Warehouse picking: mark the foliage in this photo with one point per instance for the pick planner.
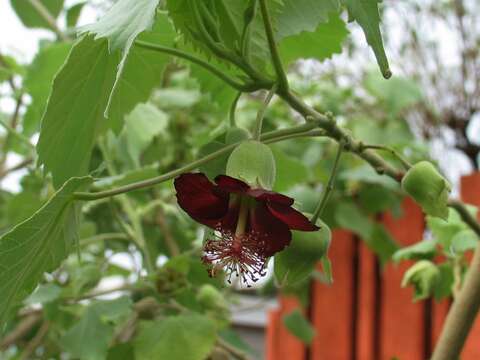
(154, 89)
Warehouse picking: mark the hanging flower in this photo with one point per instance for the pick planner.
(251, 224)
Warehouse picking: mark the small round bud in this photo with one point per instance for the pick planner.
(428, 188)
(209, 297)
(254, 163)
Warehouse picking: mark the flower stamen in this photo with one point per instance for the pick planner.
(242, 256)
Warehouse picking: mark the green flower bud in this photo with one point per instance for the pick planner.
(254, 163)
(298, 260)
(423, 276)
(428, 188)
(236, 134)
(209, 297)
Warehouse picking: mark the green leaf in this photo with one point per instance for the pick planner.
(377, 199)
(142, 125)
(381, 243)
(463, 241)
(290, 171)
(444, 284)
(216, 166)
(225, 24)
(73, 14)
(30, 17)
(125, 20)
(350, 217)
(297, 16)
(89, 339)
(365, 173)
(37, 245)
(45, 293)
(296, 323)
(319, 44)
(424, 249)
(366, 14)
(186, 337)
(74, 114)
(38, 82)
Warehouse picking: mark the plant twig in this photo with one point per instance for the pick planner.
(16, 167)
(261, 113)
(400, 158)
(21, 330)
(35, 342)
(167, 234)
(330, 185)
(236, 353)
(45, 14)
(462, 314)
(277, 62)
(271, 136)
(233, 109)
(184, 55)
(12, 132)
(103, 237)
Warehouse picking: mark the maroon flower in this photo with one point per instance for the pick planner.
(252, 224)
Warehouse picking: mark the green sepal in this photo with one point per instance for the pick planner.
(254, 163)
(423, 276)
(294, 264)
(428, 188)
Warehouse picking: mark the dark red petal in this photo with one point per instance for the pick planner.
(229, 221)
(231, 185)
(271, 196)
(269, 229)
(196, 196)
(294, 219)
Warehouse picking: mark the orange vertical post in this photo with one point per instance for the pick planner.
(470, 193)
(367, 304)
(402, 322)
(280, 343)
(332, 306)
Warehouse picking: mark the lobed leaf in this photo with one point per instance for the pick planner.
(37, 245)
(366, 14)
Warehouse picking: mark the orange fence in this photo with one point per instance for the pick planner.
(366, 314)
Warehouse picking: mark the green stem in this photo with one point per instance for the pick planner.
(261, 113)
(12, 132)
(330, 185)
(400, 158)
(219, 50)
(271, 137)
(103, 237)
(306, 134)
(335, 132)
(135, 220)
(184, 55)
(277, 62)
(233, 109)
